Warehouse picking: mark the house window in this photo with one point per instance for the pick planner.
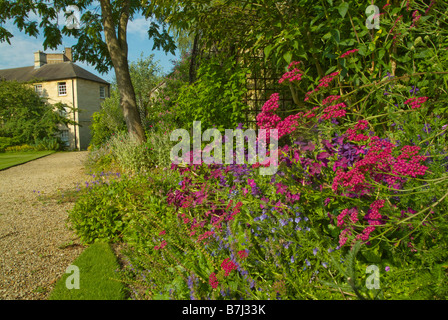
(62, 89)
(65, 137)
(102, 92)
(38, 89)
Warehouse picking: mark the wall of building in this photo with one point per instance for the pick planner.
(89, 101)
(50, 91)
(81, 94)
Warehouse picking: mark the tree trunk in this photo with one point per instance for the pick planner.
(118, 49)
(193, 61)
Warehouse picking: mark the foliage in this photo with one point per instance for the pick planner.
(48, 144)
(145, 74)
(129, 153)
(100, 158)
(100, 215)
(215, 98)
(361, 177)
(21, 148)
(158, 142)
(26, 117)
(165, 93)
(108, 121)
(108, 204)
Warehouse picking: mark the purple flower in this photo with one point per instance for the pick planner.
(414, 90)
(387, 269)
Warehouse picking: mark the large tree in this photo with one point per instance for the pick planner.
(101, 37)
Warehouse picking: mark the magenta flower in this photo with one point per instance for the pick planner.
(251, 183)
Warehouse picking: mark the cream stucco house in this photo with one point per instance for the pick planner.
(55, 77)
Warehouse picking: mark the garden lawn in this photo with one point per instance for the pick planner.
(11, 159)
(97, 278)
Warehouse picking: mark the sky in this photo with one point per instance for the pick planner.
(20, 53)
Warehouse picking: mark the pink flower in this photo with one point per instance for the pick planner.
(213, 281)
(416, 102)
(205, 235)
(330, 99)
(228, 265)
(348, 53)
(243, 254)
(293, 75)
(251, 183)
(335, 111)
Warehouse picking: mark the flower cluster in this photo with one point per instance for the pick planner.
(228, 265)
(335, 111)
(268, 120)
(415, 17)
(330, 99)
(352, 213)
(416, 102)
(323, 82)
(292, 75)
(348, 53)
(213, 281)
(352, 133)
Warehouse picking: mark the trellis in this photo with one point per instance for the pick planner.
(261, 83)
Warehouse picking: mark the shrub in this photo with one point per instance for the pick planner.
(111, 202)
(21, 148)
(216, 98)
(101, 214)
(48, 144)
(100, 158)
(131, 155)
(108, 121)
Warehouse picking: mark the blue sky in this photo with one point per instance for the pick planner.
(21, 51)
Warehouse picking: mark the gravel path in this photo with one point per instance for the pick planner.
(35, 245)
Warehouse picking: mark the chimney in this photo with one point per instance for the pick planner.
(40, 59)
(68, 54)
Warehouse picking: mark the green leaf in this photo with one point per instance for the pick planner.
(343, 8)
(288, 57)
(267, 50)
(336, 35)
(372, 255)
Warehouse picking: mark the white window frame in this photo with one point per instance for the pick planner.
(102, 92)
(37, 90)
(62, 88)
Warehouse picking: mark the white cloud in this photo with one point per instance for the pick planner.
(139, 27)
(20, 53)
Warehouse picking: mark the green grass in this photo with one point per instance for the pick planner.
(11, 159)
(97, 277)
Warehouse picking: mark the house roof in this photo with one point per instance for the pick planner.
(49, 72)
